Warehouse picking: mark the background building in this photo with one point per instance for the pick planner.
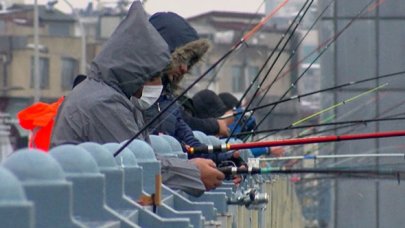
(59, 57)
(373, 45)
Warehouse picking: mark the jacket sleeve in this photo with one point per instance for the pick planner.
(112, 122)
(180, 174)
(183, 132)
(208, 125)
(257, 152)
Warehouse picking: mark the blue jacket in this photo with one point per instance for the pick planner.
(178, 34)
(171, 122)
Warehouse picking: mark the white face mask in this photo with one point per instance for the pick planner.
(150, 94)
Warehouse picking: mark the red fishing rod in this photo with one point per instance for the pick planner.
(296, 141)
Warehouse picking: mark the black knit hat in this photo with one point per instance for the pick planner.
(230, 101)
(208, 105)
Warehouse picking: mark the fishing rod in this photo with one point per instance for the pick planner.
(246, 37)
(223, 63)
(298, 97)
(294, 52)
(338, 104)
(321, 146)
(294, 25)
(323, 178)
(328, 44)
(345, 126)
(305, 133)
(323, 160)
(390, 166)
(349, 123)
(395, 106)
(328, 119)
(320, 191)
(318, 132)
(312, 128)
(295, 82)
(298, 122)
(315, 157)
(294, 141)
(335, 163)
(230, 171)
(309, 154)
(369, 9)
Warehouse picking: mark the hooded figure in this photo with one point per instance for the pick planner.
(99, 108)
(186, 46)
(186, 49)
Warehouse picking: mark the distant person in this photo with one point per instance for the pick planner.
(208, 104)
(210, 126)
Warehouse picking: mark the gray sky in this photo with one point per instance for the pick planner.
(185, 8)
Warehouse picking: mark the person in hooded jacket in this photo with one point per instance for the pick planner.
(208, 104)
(107, 105)
(186, 49)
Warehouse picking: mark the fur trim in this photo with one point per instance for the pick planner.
(191, 53)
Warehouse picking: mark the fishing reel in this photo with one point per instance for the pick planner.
(250, 198)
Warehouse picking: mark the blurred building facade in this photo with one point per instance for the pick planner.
(59, 56)
(372, 45)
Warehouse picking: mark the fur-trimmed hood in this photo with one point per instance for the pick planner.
(185, 45)
(191, 53)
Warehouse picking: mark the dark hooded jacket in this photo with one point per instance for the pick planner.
(99, 109)
(187, 48)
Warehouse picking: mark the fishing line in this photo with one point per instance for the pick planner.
(295, 23)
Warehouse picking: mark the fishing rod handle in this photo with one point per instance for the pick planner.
(232, 170)
(209, 149)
